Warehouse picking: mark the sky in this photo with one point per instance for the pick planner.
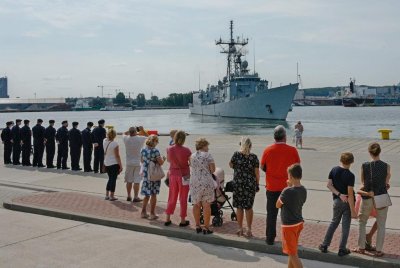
(67, 48)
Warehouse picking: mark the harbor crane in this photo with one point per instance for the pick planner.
(102, 89)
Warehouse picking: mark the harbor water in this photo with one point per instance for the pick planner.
(318, 121)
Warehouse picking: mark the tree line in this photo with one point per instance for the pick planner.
(173, 100)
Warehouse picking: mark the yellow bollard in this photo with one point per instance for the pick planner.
(385, 133)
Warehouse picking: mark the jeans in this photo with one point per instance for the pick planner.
(112, 172)
(272, 214)
(365, 210)
(341, 212)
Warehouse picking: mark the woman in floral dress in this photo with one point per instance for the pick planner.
(245, 180)
(201, 184)
(150, 189)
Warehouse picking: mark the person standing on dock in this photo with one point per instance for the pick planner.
(299, 129)
(6, 138)
(50, 141)
(75, 145)
(26, 143)
(16, 140)
(275, 161)
(87, 147)
(38, 132)
(98, 135)
(62, 141)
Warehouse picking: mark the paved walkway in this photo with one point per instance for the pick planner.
(96, 207)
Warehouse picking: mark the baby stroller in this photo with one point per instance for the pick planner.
(219, 203)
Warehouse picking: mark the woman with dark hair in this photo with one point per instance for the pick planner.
(375, 177)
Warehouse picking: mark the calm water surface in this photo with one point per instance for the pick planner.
(333, 121)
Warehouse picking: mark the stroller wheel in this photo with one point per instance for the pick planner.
(215, 222)
(221, 213)
(221, 220)
(233, 216)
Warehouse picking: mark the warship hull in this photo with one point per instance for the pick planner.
(271, 104)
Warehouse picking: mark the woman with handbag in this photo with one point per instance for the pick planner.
(202, 184)
(246, 181)
(179, 176)
(150, 187)
(112, 163)
(375, 176)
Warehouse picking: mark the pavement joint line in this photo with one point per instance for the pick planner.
(216, 239)
(43, 235)
(27, 188)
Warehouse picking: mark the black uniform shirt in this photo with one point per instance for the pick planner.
(87, 138)
(26, 135)
(15, 134)
(75, 137)
(38, 134)
(6, 135)
(62, 135)
(98, 135)
(50, 135)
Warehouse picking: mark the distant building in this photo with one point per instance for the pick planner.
(33, 105)
(3, 87)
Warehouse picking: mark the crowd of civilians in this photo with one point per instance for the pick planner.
(192, 173)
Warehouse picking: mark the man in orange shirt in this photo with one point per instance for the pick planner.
(274, 162)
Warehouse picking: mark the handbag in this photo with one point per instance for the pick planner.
(382, 200)
(103, 167)
(156, 173)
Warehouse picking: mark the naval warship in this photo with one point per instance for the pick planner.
(242, 94)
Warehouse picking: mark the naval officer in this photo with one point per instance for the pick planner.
(6, 138)
(16, 140)
(38, 132)
(50, 140)
(26, 143)
(98, 135)
(75, 145)
(62, 141)
(87, 147)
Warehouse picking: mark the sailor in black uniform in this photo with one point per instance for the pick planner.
(87, 147)
(26, 143)
(38, 143)
(16, 140)
(50, 141)
(62, 141)
(98, 135)
(7, 141)
(75, 145)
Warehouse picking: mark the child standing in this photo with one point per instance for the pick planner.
(291, 202)
(341, 183)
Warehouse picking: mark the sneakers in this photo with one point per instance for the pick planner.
(323, 249)
(343, 252)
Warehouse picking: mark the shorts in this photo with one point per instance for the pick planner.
(132, 174)
(290, 238)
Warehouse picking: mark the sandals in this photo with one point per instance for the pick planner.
(198, 229)
(144, 215)
(379, 254)
(369, 246)
(249, 234)
(240, 232)
(137, 200)
(207, 231)
(153, 217)
(184, 224)
(359, 250)
(167, 223)
(113, 199)
(107, 198)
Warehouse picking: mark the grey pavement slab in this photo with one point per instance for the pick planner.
(76, 244)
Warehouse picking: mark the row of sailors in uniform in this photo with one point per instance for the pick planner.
(18, 140)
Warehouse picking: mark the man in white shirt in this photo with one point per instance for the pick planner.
(133, 145)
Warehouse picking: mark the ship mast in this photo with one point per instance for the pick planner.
(233, 53)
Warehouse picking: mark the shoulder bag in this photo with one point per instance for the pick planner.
(103, 167)
(155, 171)
(382, 200)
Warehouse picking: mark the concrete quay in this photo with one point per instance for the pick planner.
(318, 157)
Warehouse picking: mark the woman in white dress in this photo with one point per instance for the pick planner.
(201, 184)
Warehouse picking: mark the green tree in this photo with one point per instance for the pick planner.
(98, 102)
(120, 99)
(141, 100)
